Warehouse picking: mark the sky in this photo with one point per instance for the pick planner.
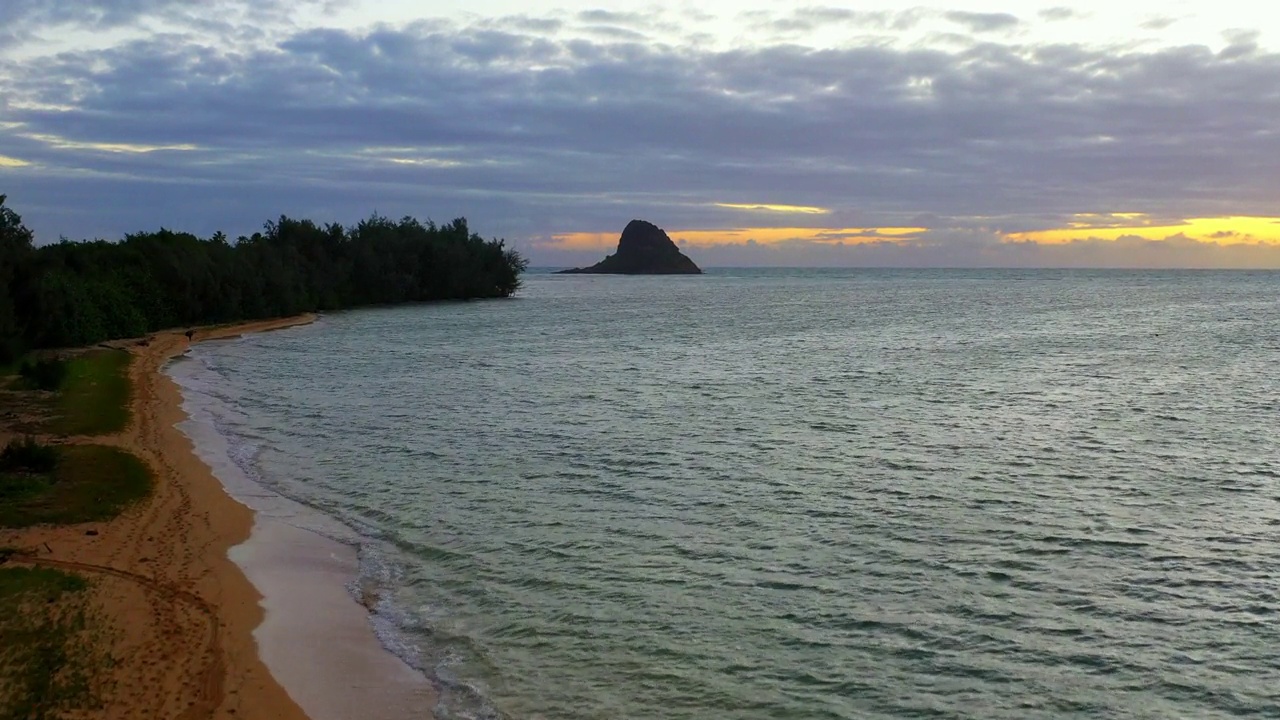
(990, 134)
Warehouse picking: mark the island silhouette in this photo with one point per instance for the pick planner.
(643, 249)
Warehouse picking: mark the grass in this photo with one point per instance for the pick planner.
(94, 399)
(52, 645)
(89, 483)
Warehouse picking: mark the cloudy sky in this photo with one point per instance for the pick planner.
(871, 133)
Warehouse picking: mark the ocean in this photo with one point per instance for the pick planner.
(796, 493)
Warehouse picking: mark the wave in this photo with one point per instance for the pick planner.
(218, 429)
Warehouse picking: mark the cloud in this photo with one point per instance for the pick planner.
(811, 18)
(109, 14)
(91, 13)
(611, 17)
(1115, 226)
(1138, 252)
(983, 22)
(1055, 14)
(1240, 43)
(775, 208)
(979, 250)
(780, 236)
(532, 130)
(1158, 23)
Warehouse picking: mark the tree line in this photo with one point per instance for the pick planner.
(79, 293)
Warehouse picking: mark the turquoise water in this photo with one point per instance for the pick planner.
(799, 494)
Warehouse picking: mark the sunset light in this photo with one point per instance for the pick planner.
(784, 209)
(1222, 230)
(924, 134)
(743, 236)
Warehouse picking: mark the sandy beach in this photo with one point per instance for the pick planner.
(190, 631)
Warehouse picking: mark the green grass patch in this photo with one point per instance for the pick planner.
(15, 487)
(38, 583)
(89, 483)
(53, 645)
(94, 398)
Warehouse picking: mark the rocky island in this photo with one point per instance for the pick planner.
(643, 249)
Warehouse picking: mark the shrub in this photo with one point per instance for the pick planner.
(27, 455)
(44, 374)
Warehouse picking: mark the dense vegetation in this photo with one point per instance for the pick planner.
(79, 293)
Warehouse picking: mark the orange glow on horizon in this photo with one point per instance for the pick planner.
(1232, 230)
(742, 236)
(1112, 227)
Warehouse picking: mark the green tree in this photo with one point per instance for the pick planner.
(15, 258)
(76, 293)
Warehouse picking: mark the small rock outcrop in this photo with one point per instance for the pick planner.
(643, 249)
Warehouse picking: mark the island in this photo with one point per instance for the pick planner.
(643, 249)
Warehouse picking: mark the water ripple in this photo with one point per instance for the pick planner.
(805, 494)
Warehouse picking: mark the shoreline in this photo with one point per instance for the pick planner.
(187, 630)
(316, 639)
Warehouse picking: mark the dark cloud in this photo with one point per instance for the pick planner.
(531, 134)
(983, 22)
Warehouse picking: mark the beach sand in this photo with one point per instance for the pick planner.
(188, 628)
